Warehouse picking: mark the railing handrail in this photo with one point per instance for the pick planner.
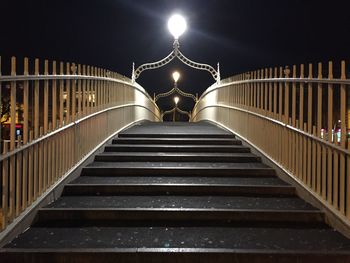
(67, 126)
(336, 81)
(340, 149)
(9, 78)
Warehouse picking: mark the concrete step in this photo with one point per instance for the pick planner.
(177, 169)
(64, 217)
(176, 157)
(171, 255)
(179, 243)
(180, 180)
(178, 141)
(176, 148)
(177, 135)
(177, 189)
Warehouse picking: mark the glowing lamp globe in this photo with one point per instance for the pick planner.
(177, 25)
(176, 100)
(176, 76)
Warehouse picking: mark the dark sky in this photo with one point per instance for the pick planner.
(240, 34)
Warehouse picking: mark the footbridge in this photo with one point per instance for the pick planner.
(261, 173)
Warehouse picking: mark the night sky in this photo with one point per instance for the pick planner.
(242, 35)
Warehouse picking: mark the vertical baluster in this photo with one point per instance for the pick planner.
(258, 92)
(74, 91)
(94, 91)
(287, 161)
(261, 92)
(13, 102)
(84, 81)
(302, 152)
(319, 127)
(54, 96)
(18, 178)
(46, 124)
(41, 164)
(280, 95)
(36, 100)
(314, 159)
(46, 97)
(88, 91)
(79, 92)
(293, 142)
(25, 133)
(266, 92)
(5, 187)
(68, 95)
(342, 193)
(275, 92)
(256, 104)
(61, 83)
(50, 159)
(309, 126)
(270, 76)
(329, 137)
(30, 170)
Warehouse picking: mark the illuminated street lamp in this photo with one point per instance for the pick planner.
(176, 76)
(177, 25)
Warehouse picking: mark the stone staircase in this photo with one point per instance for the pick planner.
(178, 192)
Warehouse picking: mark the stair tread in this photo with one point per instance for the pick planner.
(182, 202)
(179, 165)
(147, 154)
(140, 180)
(179, 139)
(247, 238)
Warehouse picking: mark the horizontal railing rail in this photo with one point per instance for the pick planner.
(52, 119)
(299, 121)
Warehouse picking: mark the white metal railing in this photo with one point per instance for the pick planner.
(300, 123)
(61, 112)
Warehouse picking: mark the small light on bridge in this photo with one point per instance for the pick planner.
(177, 25)
(176, 100)
(176, 76)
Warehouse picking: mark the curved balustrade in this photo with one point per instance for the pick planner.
(61, 115)
(299, 121)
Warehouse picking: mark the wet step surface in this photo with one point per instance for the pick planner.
(168, 130)
(178, 192)
(209, 202)
(251, 238)
(184, 141)
(204, 180)
(176, 148)
(179, 157)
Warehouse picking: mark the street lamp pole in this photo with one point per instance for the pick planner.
(176, 100)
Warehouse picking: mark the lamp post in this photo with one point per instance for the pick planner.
(176, 100)
(176, 76)
(177, 26)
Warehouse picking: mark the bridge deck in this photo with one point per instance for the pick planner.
(153, 200)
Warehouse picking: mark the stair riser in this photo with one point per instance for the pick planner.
(210, 215)
(100, 171)
(171, 255)
(121, 148)
(188, 190)
(177, 142)
(157, 158)
(176, 135)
